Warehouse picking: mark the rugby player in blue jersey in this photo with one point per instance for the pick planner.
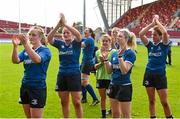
(87, 65)
(155, 73)
(69, 76)
(35, 59)
(120, 65)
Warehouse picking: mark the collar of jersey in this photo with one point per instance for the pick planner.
(37, 48)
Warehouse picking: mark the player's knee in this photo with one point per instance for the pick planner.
(77, 103)
(152, 101)
(64, 103)
(164, 103)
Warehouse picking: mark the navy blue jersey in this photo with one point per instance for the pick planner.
(68, 56)
(35, 73)
(156, 58)
(117, 77)
(88, 50)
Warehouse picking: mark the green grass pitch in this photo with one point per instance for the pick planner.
(10, 82)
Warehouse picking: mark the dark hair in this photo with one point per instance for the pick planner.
(92, 33)
(156, 28)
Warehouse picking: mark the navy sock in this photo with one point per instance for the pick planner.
(91, 91)
(84, 91)
(103, 113)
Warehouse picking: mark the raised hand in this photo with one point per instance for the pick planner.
(15, 40)
(23, 38)
(62, 19)
(104, 52)
(155, 19)
(156, 16)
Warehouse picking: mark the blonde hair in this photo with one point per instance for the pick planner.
(131, 38)
(115, 29)
(41, 34)
(132, 41)
(105, 36)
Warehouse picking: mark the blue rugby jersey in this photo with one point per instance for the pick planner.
(68, 56)
(88, 50)
(157, 57)
(35, 74)
(117, 77)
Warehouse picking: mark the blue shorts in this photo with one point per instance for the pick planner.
(87, 68)
(159, 81)
(68, 83)
(36, 98)
(120, 92)
(102, 83)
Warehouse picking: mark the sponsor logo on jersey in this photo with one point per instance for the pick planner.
(156, 54)
(66, 52)
(28, 61)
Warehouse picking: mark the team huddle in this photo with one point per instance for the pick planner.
(112, 63)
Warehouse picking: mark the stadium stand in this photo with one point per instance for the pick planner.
(8, 28)
(137, 18)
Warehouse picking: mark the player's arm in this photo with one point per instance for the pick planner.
(53, 32)
(31, 53)
(143, 32)
(124, 66)
(75, 32)
(15, 58)
(108, 66)
(165, 36)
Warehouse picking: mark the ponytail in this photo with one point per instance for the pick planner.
(132, 41)
(131, 38)
(92, 33)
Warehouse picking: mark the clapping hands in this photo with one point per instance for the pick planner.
(155, 19)
(104, 52)
(62, 20)
(18, 39)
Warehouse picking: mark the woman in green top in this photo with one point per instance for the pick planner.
(103, 78)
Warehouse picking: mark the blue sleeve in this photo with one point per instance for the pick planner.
(130, 57)
(113, 56)
(57, 43)
(166, 47)
(21, 55)
(83, 40)
(87, 42)
(149, 44)
(45, 55)
(76, 44)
